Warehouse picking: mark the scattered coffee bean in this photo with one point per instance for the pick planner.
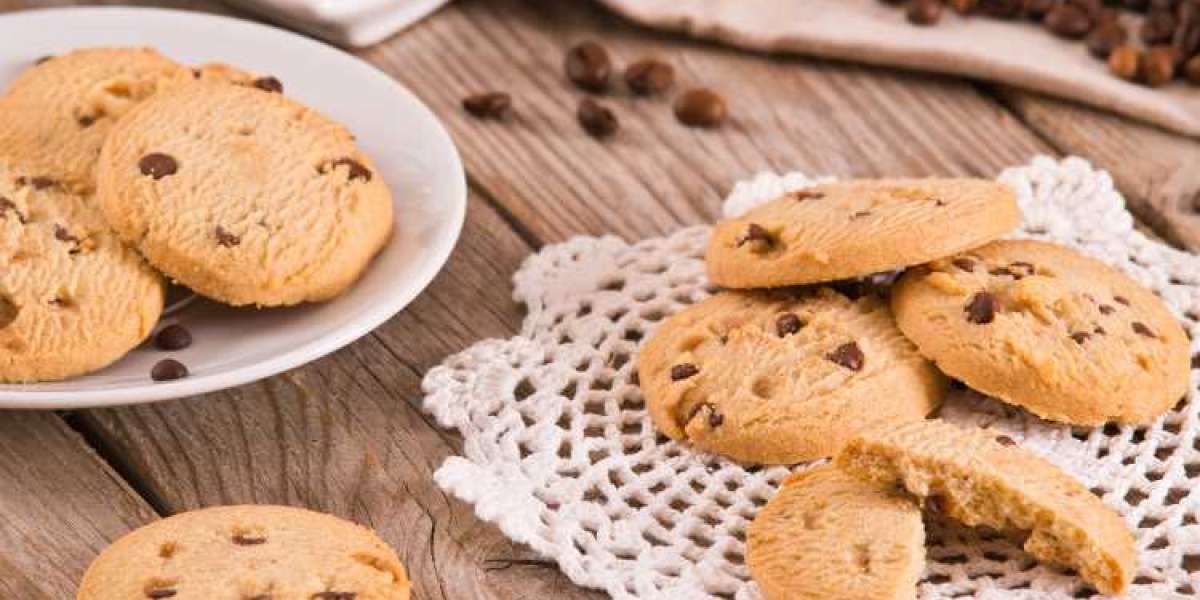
(1106, 38)
(1036, 10)
(1124, 60)
(173, 337)
(1191, 69)
(1158, 27)
(269, 84)
(701, 107)
(964, 264)
(848, 355)
(649, 76)
(1068, 21)
(589, 67)
(981, 310)
(1157, 66)
(684, 371)
(596, 119)
(225, 238)
(1004, 440)
(924, 12)
(158, 165)
(788, 324)
(1142, 330)
(168, 369)
(488, 105)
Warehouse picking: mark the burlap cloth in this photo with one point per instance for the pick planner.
(1021, 54)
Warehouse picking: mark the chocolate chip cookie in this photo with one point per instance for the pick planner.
(1044, 327)
(73, 298)
(247, 553)
(979, 478)
(782, 377)
(244, 195)
(852, 229)
(57, 114)
(828, 535)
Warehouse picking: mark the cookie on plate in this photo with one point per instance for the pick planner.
(852, 229)
(57, 113)
(73, 298)
(830, 536)
(1044, 327)
(248, 552)
(979, 478)
(244, 196)
(782, 377)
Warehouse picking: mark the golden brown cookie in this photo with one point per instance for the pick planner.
(243, 195)
(828, 536)
(73, 298)
(1044, 327)
(781, 377)
(57, 114)
(247, 553)
(979, 478)
(852, 229)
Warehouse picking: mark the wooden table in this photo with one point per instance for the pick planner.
(346, 433)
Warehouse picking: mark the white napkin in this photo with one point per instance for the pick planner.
(345, 22)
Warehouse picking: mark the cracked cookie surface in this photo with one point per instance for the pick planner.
(73, 298)
(1041, 326)
(979, 478)
(57, 114)
(828, 535)
(783, 376)
(851, 229)
(243, 195)
(248, 553)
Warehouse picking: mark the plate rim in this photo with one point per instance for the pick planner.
(363, 325)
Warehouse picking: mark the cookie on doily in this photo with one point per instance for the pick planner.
(1044, 327)
(979, 478)
(850, 229)
(828, 535)
(782, 377)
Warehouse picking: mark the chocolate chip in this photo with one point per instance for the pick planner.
(225, 238)
(269, 84)
(924, 12)
(1024, 266)
(715, 419)
(86, 121)
(588, 66)
(7, 206)
(807, 195)
(158, 165)
(860, 214)
(1196, 361)
(260, 597)
(168, 370)
(935, 504)
(701, 107)
(1080, 337)
(160, 593)
(1121, 300)
(788, 324)
(596, 119)
(248, 540)
(357, 170)
(848, 355)
(683, 371)
(981, 310)
(957, 384)
(1099, 330)
(754, 233)
(1003, 272)
(852, 289)
(62, 234)
(173, 337)
(39, 182)
(1068, 21)
(1004, 440)
(649, 76)
(1141, 329)
(1106, 309)
(41, 60)
(334, 596)
(964, 264)
(488, 105)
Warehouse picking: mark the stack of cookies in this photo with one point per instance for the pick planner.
(849, 306)
(119, 166)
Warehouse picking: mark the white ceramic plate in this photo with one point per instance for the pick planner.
(234, 346)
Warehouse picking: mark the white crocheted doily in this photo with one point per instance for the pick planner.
(560, 453)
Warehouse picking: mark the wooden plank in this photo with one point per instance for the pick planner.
(59, 506)
(787, 113)
(1157, 171)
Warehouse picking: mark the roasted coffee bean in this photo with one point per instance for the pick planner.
(596, 119)
(1138, 5)
(963, 7)
(168, 370)
(701, 107)
(848, 355)
(173, 337)
(1001, 9)
(649, 76)
(924, 12)
(1187, 32)
(1191, 69)
(158, 165)
(1068, 21)
(1157, 67)
(589, 67)
(1159, 27)
(1124, 60)
(788, 324)
(1106, 38)
(488, 105)
(981, 310)
(684, 371)
(269, 84)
